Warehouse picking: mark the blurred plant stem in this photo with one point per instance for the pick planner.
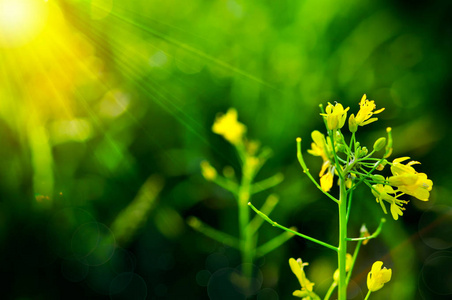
(251, 158)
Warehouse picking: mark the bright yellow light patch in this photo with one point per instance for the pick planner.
(21, 21)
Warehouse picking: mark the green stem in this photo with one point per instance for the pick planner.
(368, 294)
(267, 183)
(226, 184)
(246, 238)
(330, 290)
(213, 233)
(342, 250)
(349, 204)
(355, 255)
(266, 218)
(267, 208)
(274, 243)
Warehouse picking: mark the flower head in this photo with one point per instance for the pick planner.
(366, 111)
(228, 126)
(377, 277)
(305, 292)
(409, 181)
(335, 116)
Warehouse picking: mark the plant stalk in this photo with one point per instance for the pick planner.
(341, 254)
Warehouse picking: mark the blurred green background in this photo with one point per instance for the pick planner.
(106, 113)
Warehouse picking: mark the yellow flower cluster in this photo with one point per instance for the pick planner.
(407, 181)
(404, 179)
(229, 127)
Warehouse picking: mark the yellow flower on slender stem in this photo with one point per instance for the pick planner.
(306, 286)
(409, 181)
(366, 111)
(320, 148)
(377, 277)
(228, 126)
(335, 116)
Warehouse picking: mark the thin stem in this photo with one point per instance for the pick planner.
(274, 243)
(372, 236)
(362, 178)
(247, 243)
(352, 141)
(306, 171)
(267, 208)
(267, 183)
(273, 223)
(355, 255)
(368, 294)
(342, 249)
(226, 184)
(213, 233)
(349, 204)
(330, 290)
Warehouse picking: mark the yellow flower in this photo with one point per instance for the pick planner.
(348, 265)
(381, 192)
(321, 148)
(208, 171)
(363, 117)
(228, 126)
(306, 286)
(377, 277)
(326, 181)
(335, 116)
(409, 181)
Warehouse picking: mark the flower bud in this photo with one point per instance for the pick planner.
(352, 125)
(208, 171)
(379, 144)
(363, 151)
(389, 144)
(378, 178)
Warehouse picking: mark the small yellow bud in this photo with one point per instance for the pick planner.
(352, 125)
(379, 144)
(208, 171)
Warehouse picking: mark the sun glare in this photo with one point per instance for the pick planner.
(21, 21)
